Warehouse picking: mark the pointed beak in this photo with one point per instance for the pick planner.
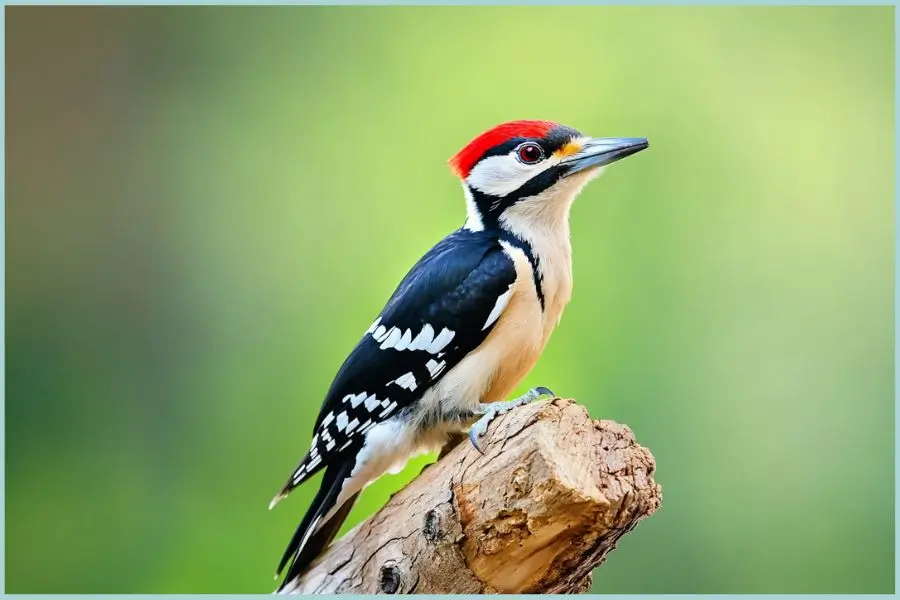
(598, 152)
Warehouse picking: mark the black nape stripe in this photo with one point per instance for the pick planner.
(490, 220)
(525, 247)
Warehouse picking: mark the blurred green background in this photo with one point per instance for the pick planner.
(207, 206)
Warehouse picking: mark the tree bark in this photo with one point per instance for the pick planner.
(537, 513)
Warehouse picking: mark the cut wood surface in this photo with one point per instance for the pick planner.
(537, 513)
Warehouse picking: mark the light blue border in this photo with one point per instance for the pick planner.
(446, 3)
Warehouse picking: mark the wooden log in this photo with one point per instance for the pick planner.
(537, 513)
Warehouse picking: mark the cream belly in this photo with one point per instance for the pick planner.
(491, 372)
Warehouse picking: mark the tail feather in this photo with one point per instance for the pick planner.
(300, 474)
(313, 534)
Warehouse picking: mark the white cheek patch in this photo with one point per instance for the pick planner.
(502, 175)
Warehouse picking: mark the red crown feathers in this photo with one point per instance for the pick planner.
(466, 158)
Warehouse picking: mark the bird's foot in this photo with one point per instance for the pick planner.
(493, 410)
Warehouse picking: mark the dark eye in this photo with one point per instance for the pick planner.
(530, 153)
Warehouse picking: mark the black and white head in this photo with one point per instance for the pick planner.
(529, 172)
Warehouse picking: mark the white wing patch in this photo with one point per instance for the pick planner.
(402, 339)
(374, 325)
(435, 367)
(406, 381)
(388, 409)
(502, 301)
(371, 403)
(441, 341)
(424, 339)
(355, 399)
(341, 421)
(341, 427)
(392, 339)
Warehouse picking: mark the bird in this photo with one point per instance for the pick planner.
(462, 328)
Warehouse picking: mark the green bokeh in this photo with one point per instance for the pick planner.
(207, 206)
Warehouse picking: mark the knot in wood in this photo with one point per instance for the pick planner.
(390, 579)
(431, 529)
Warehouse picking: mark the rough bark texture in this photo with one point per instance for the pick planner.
(545, 505)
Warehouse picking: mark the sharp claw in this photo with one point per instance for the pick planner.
(479, 429)
(473, 437)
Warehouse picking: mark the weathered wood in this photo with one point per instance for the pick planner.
(545, 505)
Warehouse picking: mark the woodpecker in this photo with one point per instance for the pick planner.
(462, 328)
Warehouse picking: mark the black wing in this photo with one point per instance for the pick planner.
(442, 310)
